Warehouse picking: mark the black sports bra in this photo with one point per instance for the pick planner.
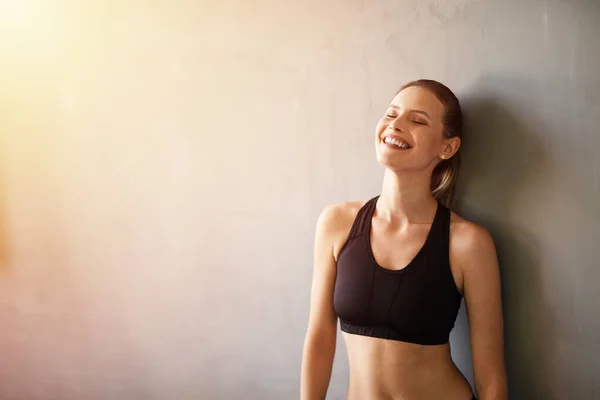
(418, 303)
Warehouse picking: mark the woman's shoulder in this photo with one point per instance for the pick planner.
(337, 216)
(336, 220)
(467, 236)
(463, 227)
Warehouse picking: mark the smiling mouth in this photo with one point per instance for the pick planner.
(401, 144)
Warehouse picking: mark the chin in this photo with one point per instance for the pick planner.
(390, 162)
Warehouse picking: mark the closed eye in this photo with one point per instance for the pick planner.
(419, 122)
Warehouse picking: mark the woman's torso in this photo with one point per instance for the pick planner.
(380, 367)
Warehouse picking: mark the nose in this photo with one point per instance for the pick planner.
(395, 125)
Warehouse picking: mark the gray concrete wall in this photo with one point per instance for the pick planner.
(162, 166)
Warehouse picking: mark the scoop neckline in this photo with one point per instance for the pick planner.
(412, 262)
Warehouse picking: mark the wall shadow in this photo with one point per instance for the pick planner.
(502, 155)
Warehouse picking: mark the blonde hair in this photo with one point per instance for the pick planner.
(445, 174)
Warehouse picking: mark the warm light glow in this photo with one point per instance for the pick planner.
(13, 11)
(34, 35)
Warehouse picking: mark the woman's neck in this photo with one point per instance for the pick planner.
(406, 197)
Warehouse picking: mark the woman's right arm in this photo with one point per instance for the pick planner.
(320, 340)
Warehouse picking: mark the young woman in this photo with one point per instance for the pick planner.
(394, 270)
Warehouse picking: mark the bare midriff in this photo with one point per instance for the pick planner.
(382, 369)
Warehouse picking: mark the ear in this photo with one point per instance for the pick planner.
(450, 147)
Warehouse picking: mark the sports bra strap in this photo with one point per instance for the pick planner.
(363, 219)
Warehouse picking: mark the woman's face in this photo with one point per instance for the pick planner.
(410, 133)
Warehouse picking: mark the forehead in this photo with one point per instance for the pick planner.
(417, 98)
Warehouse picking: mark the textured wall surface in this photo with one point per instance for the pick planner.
(162, 166)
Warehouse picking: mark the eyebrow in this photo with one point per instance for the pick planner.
(416, 111)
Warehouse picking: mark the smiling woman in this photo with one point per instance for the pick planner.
(394, 269)
(446, 108)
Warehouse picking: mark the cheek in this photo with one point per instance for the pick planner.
(380, 126)
(427, 142)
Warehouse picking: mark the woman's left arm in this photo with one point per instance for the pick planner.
(476, 255)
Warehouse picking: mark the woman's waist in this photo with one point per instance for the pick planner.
(399, 366)
(398, 370)
(409, 384)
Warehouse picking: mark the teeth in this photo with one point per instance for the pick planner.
(396, 142)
